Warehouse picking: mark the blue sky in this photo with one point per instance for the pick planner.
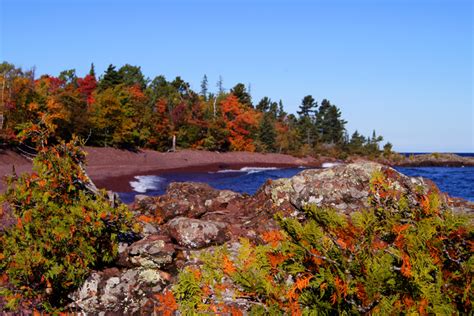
(403, 68)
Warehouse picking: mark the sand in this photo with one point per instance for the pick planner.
(112, 168)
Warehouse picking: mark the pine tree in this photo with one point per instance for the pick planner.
(308, 106)
(306, 120)
(329, 123)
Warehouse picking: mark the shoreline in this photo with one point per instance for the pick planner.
(112, 169)
(122, 183)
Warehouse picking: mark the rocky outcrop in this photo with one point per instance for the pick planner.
(193, 217)
(187, 199)
(429, 160)
(342, 187)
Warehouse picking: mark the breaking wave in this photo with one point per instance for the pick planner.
(330, 164)
(147, 183)
(248, 170)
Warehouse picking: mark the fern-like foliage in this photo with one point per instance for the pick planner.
(389, 259)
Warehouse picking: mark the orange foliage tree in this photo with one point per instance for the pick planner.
(241, 123)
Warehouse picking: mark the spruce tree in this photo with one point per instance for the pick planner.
(110, 78)
(204, 87)
(267, 133)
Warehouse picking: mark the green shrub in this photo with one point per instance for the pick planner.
(387, 260)
(62, 231)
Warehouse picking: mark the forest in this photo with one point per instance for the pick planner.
(124, 109)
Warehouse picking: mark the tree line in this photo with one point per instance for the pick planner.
(122, 108)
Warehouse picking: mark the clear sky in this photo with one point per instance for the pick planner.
(403, 67)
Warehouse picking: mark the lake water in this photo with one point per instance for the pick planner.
(458, 182)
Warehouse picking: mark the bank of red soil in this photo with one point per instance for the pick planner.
(112, 168)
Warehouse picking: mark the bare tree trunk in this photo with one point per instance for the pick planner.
(214, 107)
(174, 144)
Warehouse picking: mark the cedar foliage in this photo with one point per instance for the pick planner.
(62, 230)
(389, 259)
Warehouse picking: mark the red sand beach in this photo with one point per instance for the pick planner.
(112, 168)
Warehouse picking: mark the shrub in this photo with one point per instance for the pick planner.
(389, 259)
(63, 229)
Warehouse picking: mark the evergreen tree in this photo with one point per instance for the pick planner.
(110, 78)
(241, 93)
(387, 149)
(264, 104)
(308, 106)
(92, 70)
(281, 112)
(356, 143)
(372, 144)
(306, 121)
(132, 76)
(329, 123)
(220, 87)
(204, 87)
(267, 133)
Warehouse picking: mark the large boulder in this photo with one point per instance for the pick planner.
(152, 252)
(187, 199)
(195, 233)
(118, 292)
(342, 187)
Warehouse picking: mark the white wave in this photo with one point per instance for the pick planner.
(257, 169)
(146, 183)
(248, 170)
(330, 164)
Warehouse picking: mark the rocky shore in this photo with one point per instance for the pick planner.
(192, 217)
(429, 160)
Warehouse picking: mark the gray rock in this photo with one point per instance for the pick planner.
(195, 233)
(152, 252)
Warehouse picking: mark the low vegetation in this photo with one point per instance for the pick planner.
(63, 227)
(390, 259)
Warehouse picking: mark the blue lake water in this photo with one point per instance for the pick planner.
(458, 182)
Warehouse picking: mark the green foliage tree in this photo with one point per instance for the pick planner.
(132, 76)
